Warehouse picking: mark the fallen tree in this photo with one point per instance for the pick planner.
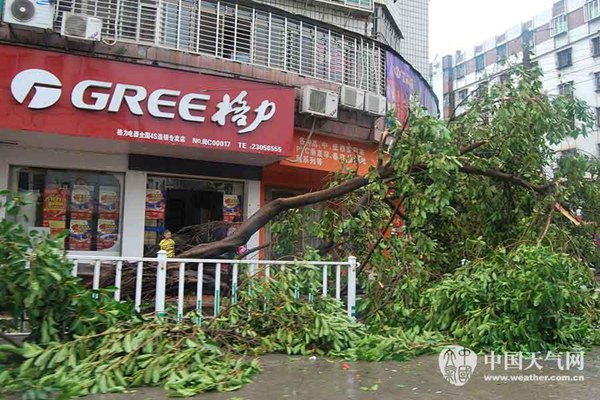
(486, 258)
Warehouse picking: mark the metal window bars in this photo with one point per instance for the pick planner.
(364, 5)
(244, 34)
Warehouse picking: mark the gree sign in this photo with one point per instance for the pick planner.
(73, 95)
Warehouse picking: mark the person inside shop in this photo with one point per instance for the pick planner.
(168, 244)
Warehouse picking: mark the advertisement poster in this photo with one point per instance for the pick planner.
(82, 202)
(329, 154)
(56, 226)
(108, 202)
(231, 207)
(155, 204)
(108, 233)
(80, 235)
(404, 84)
(55, 203)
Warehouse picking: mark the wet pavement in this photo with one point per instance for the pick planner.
(285, 377)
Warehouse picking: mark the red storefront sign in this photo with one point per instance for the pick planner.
(329, 154)
(51, 92)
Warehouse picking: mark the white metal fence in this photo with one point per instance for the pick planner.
(331, 273)
(225, 29)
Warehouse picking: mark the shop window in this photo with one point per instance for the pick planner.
(206, 205)
(564, 58)
(86, 204)
(307, 237)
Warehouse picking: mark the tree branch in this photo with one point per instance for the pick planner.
(517, 180)
(381, 236)
(274, 208)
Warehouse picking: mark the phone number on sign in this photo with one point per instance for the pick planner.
(266, 147)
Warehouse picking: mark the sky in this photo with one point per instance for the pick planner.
(460, 24)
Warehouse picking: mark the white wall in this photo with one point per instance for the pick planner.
(134, 214)
(252, 205)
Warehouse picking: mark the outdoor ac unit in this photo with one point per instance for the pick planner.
(319, 102)
(81, 26)
(352, 98)
(375, 104)
(34, 13)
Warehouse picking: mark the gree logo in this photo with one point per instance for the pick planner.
(48, 88)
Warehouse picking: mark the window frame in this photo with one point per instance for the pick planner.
(559, 54)
(501, 53)
(559, 25)
(479, 62)
(595, 46)
(462, 95)
(462, 68)
(102, 178)
(564, 85)
(591, 10)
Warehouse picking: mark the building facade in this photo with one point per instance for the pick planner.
(120, 119)
(564, 42)
(413, 18)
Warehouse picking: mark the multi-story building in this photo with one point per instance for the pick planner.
(120, 119)
(564, 42)
(413, 17)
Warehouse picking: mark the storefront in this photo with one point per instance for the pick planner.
(314, 158)
(115, 152)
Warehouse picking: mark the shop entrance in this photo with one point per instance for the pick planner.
(190, 207)
(177, 203)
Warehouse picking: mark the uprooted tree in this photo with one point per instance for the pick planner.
(486, 178)
(490, 257)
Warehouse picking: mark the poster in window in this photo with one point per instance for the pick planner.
(80, 235)
(108, 202)
(231, 207)
(56, 226)
(155, 204)
(108, 233)
(82, 202)
(55, 203)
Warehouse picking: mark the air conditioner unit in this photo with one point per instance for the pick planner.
(352, 98)
(375, 104)
(34, 13)
(319, 102)
(80, 26)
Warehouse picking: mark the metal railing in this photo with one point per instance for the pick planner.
(227, 30)
(364, 5)
(331, 273)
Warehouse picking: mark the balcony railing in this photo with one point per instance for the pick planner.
(245, 34)
(364, 5)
